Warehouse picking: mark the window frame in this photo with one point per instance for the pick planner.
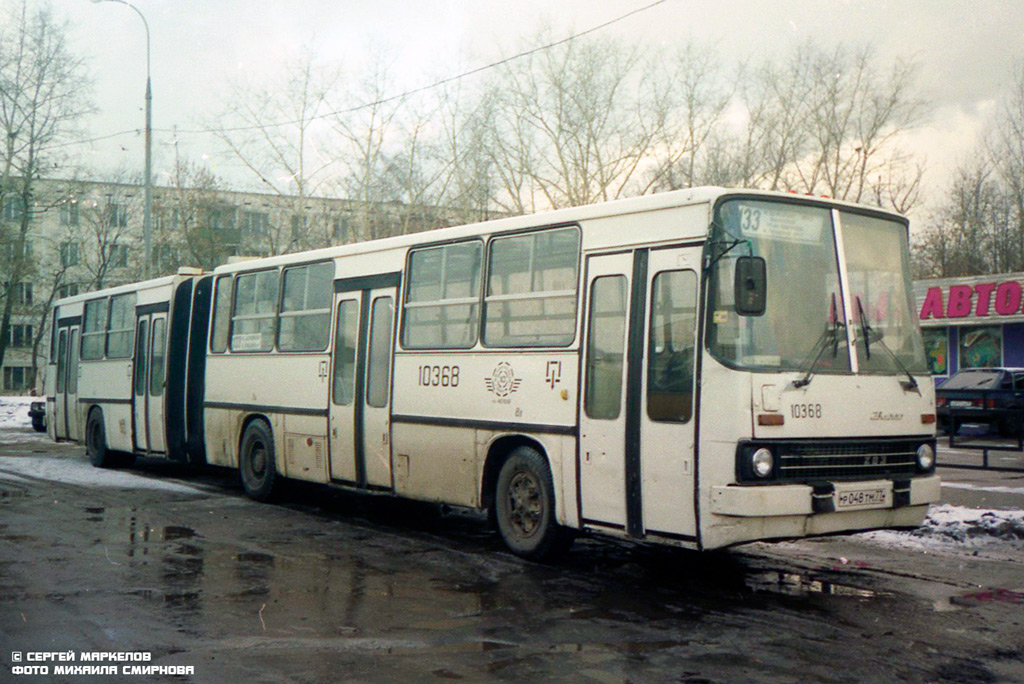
(133, 300)
(87, 333)
(550, 294)
(297, 313)
(652, 332)
(442, 302)
(230, 277)
(273, 316)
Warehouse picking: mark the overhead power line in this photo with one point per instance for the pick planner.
(392, 98)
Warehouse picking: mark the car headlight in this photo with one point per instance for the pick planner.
(762, 462)
(925, 457)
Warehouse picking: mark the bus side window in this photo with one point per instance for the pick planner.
(345, 352)
(671, 346)
(305, 318)
(378, 375)
(605, 347)
(222, 315)
(156, 359)
(120, 325)
(532, 289)
(94, 329)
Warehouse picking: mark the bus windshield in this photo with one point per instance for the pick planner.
(804, 323)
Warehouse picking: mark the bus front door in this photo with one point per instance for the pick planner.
(148, 383)
(360, 431)
(636, 418)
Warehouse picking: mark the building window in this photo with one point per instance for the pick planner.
(11, 254)
(339, 230)
(119, 256)
(981, 346)
(69, 213)
(16, 378)
(936, 349)
(253, 225)
(116, 215)
(14, 208)
(20, 293)
(21, 336)
(69, 254)
(69, 290)
(532, 289)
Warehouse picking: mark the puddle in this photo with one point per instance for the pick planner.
(799, 584)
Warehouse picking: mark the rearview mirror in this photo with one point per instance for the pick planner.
(751, 286)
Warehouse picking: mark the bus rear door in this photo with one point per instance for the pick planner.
(148, 383)
(360, 431)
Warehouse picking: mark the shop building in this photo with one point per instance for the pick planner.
(975, 322)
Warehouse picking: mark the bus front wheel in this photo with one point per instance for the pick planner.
(525, 507)
(256, 462)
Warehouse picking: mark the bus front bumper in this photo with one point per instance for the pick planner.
(747, 501)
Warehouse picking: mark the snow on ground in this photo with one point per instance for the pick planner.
(14, 413)
(956, 526)
(76, 472)
(983, 488)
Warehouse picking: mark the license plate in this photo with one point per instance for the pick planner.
(876, 497)
(960, 404)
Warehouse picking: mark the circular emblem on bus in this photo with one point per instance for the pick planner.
(503, 380)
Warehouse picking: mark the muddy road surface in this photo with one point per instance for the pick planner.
(333, 587)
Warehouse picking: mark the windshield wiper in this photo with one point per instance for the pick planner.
(829, 335)
(908, 385)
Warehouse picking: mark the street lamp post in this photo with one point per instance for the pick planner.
(147, 216)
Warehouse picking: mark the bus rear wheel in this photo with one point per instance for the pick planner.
(256, 462)
(96, 447)
(524, 505)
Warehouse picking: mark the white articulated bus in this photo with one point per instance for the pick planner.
(698, 368)
(121, 371)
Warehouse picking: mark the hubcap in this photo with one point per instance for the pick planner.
(259, 461)
(525, 503)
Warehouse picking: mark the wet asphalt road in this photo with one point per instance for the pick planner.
(333, 587)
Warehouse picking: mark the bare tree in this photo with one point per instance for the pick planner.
(366, 130)
(275, 129)
(43, 94)
(854, 119)
(979, 227)
(195, 226)
(567, 125)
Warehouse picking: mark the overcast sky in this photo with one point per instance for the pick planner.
(965, 49)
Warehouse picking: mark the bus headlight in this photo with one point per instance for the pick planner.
(762, 462)
(925, 457)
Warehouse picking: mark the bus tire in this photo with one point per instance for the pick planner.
(256, 462)
(96, 447)
(524, 505)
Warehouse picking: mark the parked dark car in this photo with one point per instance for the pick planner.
(37, 412)
(993, 396)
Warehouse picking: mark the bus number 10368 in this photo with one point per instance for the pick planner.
(439, 376)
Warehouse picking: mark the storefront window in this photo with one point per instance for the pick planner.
(981, 346)
(936, 343)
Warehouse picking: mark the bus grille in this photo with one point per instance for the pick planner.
(811, 461)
